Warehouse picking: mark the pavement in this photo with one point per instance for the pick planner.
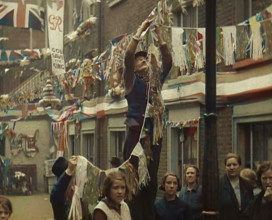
(33, 207)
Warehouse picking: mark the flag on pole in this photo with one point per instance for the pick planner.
(21, 14)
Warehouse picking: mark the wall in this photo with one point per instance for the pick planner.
(28, 127)
(125, 17)
(224, 135)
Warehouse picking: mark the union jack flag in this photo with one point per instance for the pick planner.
(21, 14)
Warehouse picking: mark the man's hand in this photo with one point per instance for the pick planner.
(72, 163)
(143, 27)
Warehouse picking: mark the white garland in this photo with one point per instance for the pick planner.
(229, 41)
(256, 49)
(143, 173)
(81, 178)
(179, 57)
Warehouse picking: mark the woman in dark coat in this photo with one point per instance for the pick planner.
(235, 193)
(170, 206)
(261, 207)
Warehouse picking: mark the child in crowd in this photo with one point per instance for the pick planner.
(5, 208)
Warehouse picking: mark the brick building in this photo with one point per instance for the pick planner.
(244, 116)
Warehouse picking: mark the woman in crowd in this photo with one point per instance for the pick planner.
(261, 207)
(5, 208)
(235, 193)
(170, 206)
(191, 193)
(112, 206)
(250, 176)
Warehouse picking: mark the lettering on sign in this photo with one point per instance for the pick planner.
(55, 22)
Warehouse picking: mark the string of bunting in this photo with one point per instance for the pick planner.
(182, 124)
(89, 179)
(188, 47)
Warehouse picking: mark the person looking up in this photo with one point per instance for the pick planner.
(145, 115)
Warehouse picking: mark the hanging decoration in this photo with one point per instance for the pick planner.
(55, 15)
(182, 124)
(267, 27)
(22, 143)
(81, 31)
(233, 44)
(256, 49)
(242, 42)
(49, 98)
(90, 179)
(197, 3)
(179, 55)
(229, 44)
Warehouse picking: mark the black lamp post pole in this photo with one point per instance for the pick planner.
(210, 167)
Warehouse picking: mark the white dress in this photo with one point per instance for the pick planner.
(112, 214)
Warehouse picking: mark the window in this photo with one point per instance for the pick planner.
(243, 10)
(186, 20)
(255, 142)
(186, 152)
(247, 8)
(92, 10)
(88, 147)
(72, 150)
(117, 140)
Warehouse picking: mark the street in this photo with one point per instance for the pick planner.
(34, 207)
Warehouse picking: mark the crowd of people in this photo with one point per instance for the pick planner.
(236, 198)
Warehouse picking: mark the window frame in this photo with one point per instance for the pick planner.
(176, 163)
(113, 151)
(179, 15)
(237, 120)
(94, 156)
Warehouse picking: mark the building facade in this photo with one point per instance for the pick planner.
(96, 129)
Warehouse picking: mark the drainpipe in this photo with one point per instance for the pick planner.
(210, 174)
(99, 121)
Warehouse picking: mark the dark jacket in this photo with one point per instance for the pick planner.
(174, 210)
(228, 204)
(57, 197)
(193, 199)
(58, 200)
(137, 97)
(259, 209)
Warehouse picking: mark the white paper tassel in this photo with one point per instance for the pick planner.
(142, 166)
(199, 58)
(202, 31)
(229, 44)
(179, 57)
(256, 49)
(81, 178)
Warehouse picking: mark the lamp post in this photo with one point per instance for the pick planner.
(210, 164)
